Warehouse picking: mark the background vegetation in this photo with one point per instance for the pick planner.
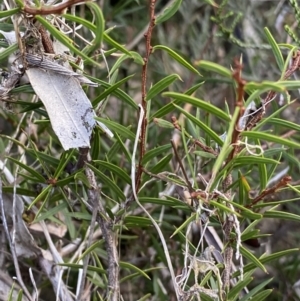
(196, 196)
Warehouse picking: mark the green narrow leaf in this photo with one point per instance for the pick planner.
(262, 295)
(114, 44)
(8, 51)
(123, 147)
(82, 21)
(157, 201)
(145, 298)
(269, 137)
(110, 90)
(193, 89)
(293, 50)
(169, 107)
(168, 12)
(162, 123)
(238, 287)
(252, 258)
(7, 13)
(133, 55)
(43, 157)
(64, 39)
(290, 84)
(256, 290)
(42, 195)
(96, 145)
(65, 158)
(80, 215)
(285, 123)
(254, 160)
(107, 182)
(66, 180)
(163, 111)
(267, 258)
(250, 234)
(20, 191)
(184, 224)
(224, 208)
(93, 28)
(282, 215)
(201, 125)
(244, 189)
(126, 265)
(187, 155)
(100, 25)
(159, 166)
(161, 85)
(116, 127)
(275, 48)
(138, 221)
(89, 250)
(176, 57)
(34, 173)
(265, 85)
(155, 152)
(120, 94)
(210, 66)
(115, 170)
(20, 295)
(198, 103)
(246, 212)
(263, 176)
(170, 202)
(51, 212)
(10, 295)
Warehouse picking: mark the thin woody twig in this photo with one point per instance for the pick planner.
(48, 10)
(106, 225)
(228, 226)
(190, 188)
(239, 103)
(282, 183)
(84, 157)
(229, 221)
(197, 142)
(271, 95)
(148, 36)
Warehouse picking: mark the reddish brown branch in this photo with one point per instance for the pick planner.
(257, 117)
(48, 10)
(239, 103)
(196, 141)
(148, 36)
(281, 184)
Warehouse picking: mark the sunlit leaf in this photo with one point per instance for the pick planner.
(210, 66)
(270, 138)
(161, 85)
(198, 103)
(176, 57)
(168, 12)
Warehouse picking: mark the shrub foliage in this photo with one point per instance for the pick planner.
(149, 150)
